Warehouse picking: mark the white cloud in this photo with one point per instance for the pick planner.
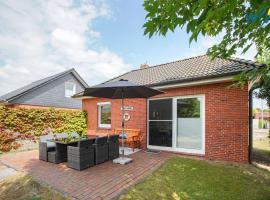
(40, 38)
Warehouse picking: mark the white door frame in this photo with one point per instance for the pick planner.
(174, 125)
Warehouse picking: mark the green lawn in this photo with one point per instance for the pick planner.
(262, 144)
(189, 179)
(23, 187)
(261, 151)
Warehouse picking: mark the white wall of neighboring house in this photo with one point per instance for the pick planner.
(255, 123)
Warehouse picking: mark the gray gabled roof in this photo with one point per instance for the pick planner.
(195, 68)
(36, 84)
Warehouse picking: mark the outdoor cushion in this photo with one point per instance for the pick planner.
(50, 145)
(44, 138)
(61, 135)
(123, 135)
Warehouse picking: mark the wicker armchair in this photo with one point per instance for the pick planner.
(82, 156)
(60, 153)
(101, 150)
(113, 146)
(45, 146)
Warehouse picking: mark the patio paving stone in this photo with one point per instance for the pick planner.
(103, 181)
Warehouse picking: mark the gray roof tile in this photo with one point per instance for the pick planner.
(195, 68)
(14, 94)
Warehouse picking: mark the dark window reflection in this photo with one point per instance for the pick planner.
(160, 133)
(188, 108)
(160, 109)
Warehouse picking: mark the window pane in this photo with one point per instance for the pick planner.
(70, 89)
(160, 109)
(160, 133)
(188, 108)
(189, 123)
(105, 112)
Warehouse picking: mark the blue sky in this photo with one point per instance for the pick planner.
(123, 33)
(99, 38)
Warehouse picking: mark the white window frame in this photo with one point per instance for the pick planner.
(174, 126)
(73, 89)
(99, 114)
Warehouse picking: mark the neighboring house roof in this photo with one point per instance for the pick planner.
(258, 115)
(195, 68)
(36, 84)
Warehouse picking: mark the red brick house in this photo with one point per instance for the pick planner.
(198, 113)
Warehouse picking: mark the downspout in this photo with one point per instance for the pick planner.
(250, 146)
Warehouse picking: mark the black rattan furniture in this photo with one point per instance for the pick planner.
(81, 156)
(101, 150)
(60, 153)
(45, 146)
(113, 146)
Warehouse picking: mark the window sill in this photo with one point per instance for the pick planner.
(104, 127)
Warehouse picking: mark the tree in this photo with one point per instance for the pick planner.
(264, 87)
(243, 22)
(258, 77)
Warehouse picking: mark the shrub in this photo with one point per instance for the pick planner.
(35, 121)
(8, 141)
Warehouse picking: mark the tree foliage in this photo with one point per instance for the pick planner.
(258, 77)
(264, 90)
(241, 22)
(10, 140)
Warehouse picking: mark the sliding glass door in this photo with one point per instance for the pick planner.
(177, 124)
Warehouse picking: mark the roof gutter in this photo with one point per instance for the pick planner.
(195, 82)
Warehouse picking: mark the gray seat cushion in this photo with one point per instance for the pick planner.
(44, 138)
(61, 135)
(50, 145)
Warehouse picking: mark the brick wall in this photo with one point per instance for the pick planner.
(137, 120)
(226, 118)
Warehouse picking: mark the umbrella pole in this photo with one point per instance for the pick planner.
(123, 123)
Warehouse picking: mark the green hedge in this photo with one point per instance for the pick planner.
(35, 121)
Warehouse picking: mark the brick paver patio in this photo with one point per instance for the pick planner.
(104, 181)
